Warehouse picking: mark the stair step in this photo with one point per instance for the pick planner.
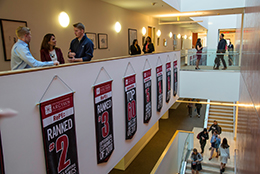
(221, 121)
(215, 117)
(221, 114)
(221, 110)
(221, 107)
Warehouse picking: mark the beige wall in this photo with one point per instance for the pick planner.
(98, 17)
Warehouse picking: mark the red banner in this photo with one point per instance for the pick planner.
(168, 81)
(103, 121)
(130, 106)
(159, 81)
(147, 81)
(175, 77)
(59, 135)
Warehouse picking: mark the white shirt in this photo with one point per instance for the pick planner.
(53, 55)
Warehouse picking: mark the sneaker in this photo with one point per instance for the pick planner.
(199, 116)
(210, 158)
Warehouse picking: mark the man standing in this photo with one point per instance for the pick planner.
(21, 56)
(81, 48)
(220, 51)
(215, 127)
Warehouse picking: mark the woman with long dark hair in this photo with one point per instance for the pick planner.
(199, 52)
(135, 49)
(224, 154)
(49, 51)
(148, 46)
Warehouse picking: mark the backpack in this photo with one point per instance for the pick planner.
(219, 130)
(198, 136)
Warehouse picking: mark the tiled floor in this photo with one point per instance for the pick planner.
(230, 138)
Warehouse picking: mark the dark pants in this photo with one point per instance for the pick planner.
(202, 146)
(198, 110)
(221, 57)
(190, 111)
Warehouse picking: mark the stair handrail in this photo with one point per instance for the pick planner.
(235, 161)
(207, 114)
(236, 121)
(184, 159)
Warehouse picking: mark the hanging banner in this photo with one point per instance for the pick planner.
(2, 169)
(103, 121)
(130, 106)
(168, 81)
(159, 82)
(175, 77)
(147, 79)
(59, 135)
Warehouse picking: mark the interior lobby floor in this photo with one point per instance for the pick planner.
(178, 120)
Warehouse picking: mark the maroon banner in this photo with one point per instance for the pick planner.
(168, 81)
(159, 82)
(59, 135)
(2, 168)
(103, 121)
(147, 81)
(130, 106)
(175, 77)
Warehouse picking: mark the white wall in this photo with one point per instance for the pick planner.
(213, 85)
(98, 17)
(22, 135)
(191, 5)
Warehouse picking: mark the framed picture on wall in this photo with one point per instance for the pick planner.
(9, 37)
(102, 41)
(132, 35)
(92, 37)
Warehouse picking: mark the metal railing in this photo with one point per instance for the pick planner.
(235, 160)
(207, 114)
(185, 155)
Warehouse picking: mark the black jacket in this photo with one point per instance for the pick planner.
(214, 127)
(206, 136)
(134, 51)
(222, 46)
(150, 47)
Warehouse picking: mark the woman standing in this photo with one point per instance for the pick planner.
(196, 159)
(148, 46)
(199, 52)
(49, 51)
(135, 49)
(224, 155)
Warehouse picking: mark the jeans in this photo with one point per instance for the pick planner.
(202, 146)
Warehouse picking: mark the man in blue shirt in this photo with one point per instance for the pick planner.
(220, 51)
(81, 48)
(21, 56)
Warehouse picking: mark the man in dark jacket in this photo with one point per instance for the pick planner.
(220, 51)
(81, 48)
(214, 127)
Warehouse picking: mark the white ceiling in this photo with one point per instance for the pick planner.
(155, 8)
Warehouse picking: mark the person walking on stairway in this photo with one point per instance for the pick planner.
(198, 107)
(215, 141)
(196, 159)
(224, 155)
(203, 137)
(220, 52)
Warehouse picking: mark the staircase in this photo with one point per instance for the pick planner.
(209, 168)
(223, 115)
